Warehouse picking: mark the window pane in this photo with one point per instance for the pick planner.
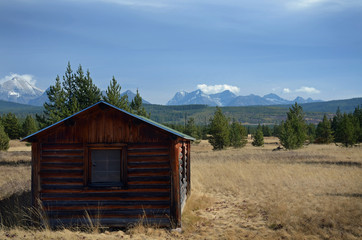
(106, 165)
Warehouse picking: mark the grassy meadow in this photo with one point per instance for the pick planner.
(247, 193)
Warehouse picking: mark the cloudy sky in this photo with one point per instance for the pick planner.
(308, 48)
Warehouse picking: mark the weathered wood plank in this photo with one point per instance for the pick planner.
(99, 198)
(109, 212)
(148, 170)
(147, 178)
(63, 146)
(96, 203)
(105, 191)
(106, 207)
(61, 179)
(111, 194)
(116, 222)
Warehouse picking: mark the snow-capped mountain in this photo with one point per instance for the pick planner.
(19, 90)
(131, 96)
(227, 98)
(195, 97)
(224, 98)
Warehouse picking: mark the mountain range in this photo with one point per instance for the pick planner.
(19, 90)
(227, 98)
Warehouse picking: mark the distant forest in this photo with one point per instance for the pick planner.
(251, 115)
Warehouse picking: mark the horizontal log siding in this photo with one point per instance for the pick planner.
(67, 200)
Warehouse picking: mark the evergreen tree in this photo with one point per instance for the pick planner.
(276, 130)
(311, 132)
(56, 109)
(324, 131)
(29, 126)
(219, 130)
(293, 130)
(335, 125)
(358, 118)
(266, 131)
(87, 93)
(137, 107)
(191, 128)
(259, 137)
(348, 130)
(238, 135)
(4, 139)
(11, 126)
(113, 95)
(71, 89)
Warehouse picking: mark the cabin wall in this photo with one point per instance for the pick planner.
(62, 167)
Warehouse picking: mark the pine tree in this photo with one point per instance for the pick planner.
(266, 131)
(358, 118)
(293, 130)
(324, 132)
(311, 132)
(113, 95)
(4, 139)
(29, 126)
(259, 137)
(191, 128)
(11, 126)
(335, 125)
(56, 109)
(238, 135)
(70, 89)
(136, 106)
(87, 93)
(347, 128)
(219, 130)
(276, 130)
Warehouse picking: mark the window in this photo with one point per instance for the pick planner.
(106, 166)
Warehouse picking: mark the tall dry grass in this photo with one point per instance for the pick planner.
(253, 193)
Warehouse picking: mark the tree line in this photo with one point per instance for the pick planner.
(293, 133)
(13, 128)
(74, 93)
(77, 92)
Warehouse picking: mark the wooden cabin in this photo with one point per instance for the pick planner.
(111, 167)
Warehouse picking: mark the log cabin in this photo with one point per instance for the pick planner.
(107, 166)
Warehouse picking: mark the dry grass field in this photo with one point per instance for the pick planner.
(248, 193)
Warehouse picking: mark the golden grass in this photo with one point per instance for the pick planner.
(16, 145)
(252, 193)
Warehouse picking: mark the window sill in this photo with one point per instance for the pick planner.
(106, 186)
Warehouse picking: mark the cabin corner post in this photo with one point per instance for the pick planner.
(175, 186)
(35, 179)
(188, 190)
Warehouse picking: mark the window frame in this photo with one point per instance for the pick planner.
(123, 165)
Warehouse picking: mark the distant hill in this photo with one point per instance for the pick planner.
(249, 114)
(19, 109)
(202, 113)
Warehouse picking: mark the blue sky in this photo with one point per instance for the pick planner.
(308, 48)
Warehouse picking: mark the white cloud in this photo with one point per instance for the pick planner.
(286, 90)
(308, 90)
(336, 4)
(27, 77)
(218, 88)
(306, 3)
(140, 3)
